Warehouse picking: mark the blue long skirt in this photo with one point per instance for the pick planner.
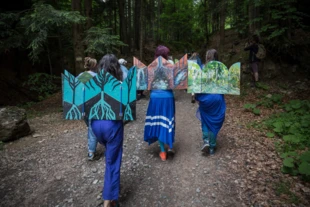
(160, 121)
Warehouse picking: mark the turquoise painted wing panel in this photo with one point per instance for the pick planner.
(130, 82)
(130, 98)
(103, 97)
(72, 96)
(110, 99)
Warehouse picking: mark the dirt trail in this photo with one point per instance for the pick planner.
(49, 168)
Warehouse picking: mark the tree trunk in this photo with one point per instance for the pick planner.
(289, 30)
(251, 9)
(115, 19)
(77, 40)
(122, 24)
(49, 60)
(137, 23)
(153, 26)
(222, 25)
(129, 27)
(88, 14)
(61, 53)
(141, 30)
(158, 23)
(206, 20)
(257, 14)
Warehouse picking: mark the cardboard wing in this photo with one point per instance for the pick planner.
(215, 77)
(162, 74)
(102, 98)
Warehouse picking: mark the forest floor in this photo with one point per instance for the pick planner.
(50, 167)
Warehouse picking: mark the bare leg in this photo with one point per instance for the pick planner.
(107, 203)
(256, 76)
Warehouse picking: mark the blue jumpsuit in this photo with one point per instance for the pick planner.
(110, 134)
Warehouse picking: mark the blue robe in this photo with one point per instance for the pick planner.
(212, 108)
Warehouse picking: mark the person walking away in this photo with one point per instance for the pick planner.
(123, 63)
(211, 112)
(160, 116)
(91, 65)
(252, 47)
(110, 133)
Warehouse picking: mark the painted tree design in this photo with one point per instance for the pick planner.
(142, 78)
(161, 78)
(102, 110)
(128, 111)
(74, 112)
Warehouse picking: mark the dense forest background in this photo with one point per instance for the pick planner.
(39, 39)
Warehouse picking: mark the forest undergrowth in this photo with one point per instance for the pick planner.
(259, 155)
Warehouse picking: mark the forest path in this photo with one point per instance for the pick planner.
(50, 168)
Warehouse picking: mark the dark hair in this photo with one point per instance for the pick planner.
(211, 55)
(255, 38)
(90, 63)
(110, 64)
(162, 51)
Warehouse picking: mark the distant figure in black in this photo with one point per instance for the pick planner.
(252, 46)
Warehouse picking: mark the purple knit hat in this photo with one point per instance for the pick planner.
(162, 51)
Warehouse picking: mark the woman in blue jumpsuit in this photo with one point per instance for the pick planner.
(110, 134)
(211, 112)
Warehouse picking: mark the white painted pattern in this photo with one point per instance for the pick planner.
(161, 117)
(161, 123)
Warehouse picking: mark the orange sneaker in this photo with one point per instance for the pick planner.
(163, 156)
